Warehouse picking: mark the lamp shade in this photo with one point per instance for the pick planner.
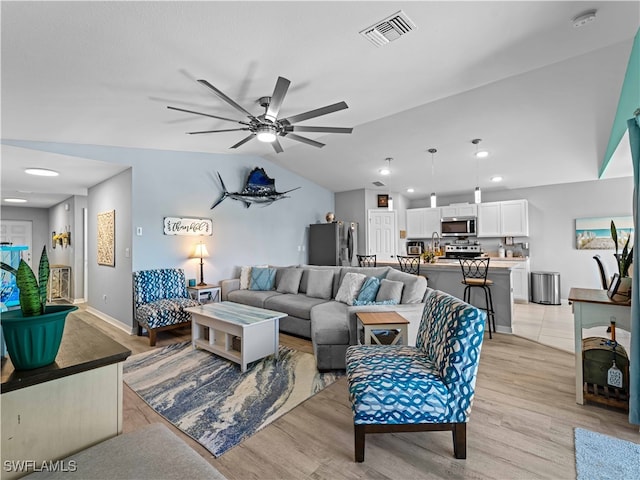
(200, 251)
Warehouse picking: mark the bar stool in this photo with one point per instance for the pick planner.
(409, 264)
(366, 260)
(474, 274)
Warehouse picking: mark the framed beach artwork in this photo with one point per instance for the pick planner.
(595, 233)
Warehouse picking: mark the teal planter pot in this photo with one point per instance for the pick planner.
(33, 342)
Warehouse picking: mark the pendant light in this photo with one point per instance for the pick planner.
(477, 193)
(433, 197)
(386, 170)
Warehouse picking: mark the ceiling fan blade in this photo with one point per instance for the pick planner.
(280, 90)
(336, 107)
(306, 140)
(208, 115)
(243, 141)
(276, 146)
(321, 129)
(219, 131)
(227, 99)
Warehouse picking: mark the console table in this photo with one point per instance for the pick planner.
(593, 308)
(51, 412)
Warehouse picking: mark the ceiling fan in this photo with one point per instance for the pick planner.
(268, 127)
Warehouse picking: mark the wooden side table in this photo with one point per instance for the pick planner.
(372, 321)
(205, 293)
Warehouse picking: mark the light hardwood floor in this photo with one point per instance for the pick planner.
(521, 424)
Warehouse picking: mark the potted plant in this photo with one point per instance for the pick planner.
(623, 261)
(33, 333)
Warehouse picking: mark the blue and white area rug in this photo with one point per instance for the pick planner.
(212, 401)
(601, 457)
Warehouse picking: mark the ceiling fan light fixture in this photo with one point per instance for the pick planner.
(266, 133)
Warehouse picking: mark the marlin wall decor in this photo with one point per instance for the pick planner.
(259, 188)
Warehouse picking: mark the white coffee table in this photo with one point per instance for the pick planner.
(257, 329)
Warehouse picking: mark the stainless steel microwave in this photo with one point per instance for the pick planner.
(458, 226)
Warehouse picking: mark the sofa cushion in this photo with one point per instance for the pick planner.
(329, 324)
(262, 278)
(369, 290)
(415, 286)
(296, 305)
(358, 303)
(320, 283)
(389, 290)
(350, 287)
(289, 281)
(245, 275)
(255, 298)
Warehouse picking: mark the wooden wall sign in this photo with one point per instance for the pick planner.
(188, 226)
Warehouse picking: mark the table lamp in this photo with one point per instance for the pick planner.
(200, 252)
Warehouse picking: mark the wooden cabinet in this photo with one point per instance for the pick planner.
(422, 222)
(503, 219)
(460, 210)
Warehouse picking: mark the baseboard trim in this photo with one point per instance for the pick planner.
(110, 320)
(78, 300)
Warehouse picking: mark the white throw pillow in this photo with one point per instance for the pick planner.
(350, 287)
(245, 276)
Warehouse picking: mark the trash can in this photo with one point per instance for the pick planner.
(545, 288)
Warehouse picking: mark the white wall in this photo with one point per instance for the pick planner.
(39, 218)
(553, 210)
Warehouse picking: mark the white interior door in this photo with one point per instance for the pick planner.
(18, 232)
(381, 235)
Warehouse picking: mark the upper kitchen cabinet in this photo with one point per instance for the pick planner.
(503, 219)
(460, 210)
(422, 222)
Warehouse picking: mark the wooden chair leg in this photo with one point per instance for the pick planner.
(152, 337)
(139, 330)
(358, 431)
(460, 440)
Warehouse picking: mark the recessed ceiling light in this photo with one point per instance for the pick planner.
(482, 154)
(41, 172)
(410, 190)
(496, 178)
(15, 200)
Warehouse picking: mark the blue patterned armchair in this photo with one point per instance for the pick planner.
(395, 388)
(159, 299)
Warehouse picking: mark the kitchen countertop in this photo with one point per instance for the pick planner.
(448, 263)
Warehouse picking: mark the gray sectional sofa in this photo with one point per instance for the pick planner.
(314, 313)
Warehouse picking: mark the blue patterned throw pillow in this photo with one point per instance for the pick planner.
(262, 278)
(369, 290)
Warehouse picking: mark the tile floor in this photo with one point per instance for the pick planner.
(552, 325)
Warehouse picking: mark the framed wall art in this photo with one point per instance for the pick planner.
(383, 201)
(107, 238)
(595, 233)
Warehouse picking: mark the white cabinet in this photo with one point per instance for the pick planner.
(460, 210)
(520, 282)
(503, 219)
(422, 222)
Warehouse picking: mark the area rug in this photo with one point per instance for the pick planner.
(601, 457)
(212, 401)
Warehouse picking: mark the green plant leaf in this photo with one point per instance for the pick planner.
(29, 294)
(43, 278)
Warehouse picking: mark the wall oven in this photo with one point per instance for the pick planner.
(458, 226)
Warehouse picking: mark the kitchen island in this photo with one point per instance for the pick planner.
(446, 275)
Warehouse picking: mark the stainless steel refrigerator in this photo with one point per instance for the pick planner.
(333, 243)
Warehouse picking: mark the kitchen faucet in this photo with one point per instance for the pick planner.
(437, 235)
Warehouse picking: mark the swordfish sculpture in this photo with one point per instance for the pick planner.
(259, 188)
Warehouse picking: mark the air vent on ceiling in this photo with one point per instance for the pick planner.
(378, 183)
(389, 29)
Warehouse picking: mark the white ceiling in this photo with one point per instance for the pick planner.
(539, 92)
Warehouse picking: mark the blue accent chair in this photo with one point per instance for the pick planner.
(397, 388)
(159, 299)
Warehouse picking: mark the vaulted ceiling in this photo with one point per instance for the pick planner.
(541, 93)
